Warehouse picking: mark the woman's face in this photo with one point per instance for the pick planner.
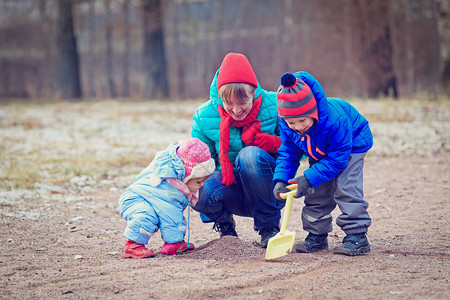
(238, 109)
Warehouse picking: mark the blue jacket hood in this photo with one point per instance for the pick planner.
(166, 164)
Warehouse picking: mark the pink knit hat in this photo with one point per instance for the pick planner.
(196, 158)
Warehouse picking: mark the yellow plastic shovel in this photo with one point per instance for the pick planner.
(281, 244)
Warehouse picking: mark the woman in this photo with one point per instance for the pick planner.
(240, 126)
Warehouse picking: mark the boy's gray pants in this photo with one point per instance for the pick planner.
(345, 190)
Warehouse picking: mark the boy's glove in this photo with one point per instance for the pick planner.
(303, 186)
(280, 187)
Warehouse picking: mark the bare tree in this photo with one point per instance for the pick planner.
(109, 51)
(156, 84)
(375, 46)
(91, 45)
(444, 38)
(127, 50)
(69, 68)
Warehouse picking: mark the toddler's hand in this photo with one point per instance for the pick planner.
(303, 186)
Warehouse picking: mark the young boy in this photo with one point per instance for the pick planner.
(336, 138)
(159, 195)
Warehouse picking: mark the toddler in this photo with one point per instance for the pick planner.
(160, 193)
(336, 138)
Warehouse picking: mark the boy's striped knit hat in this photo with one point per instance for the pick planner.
(295, 98)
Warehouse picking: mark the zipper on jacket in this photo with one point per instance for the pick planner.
(308, 145)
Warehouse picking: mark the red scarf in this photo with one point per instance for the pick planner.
(251, 135)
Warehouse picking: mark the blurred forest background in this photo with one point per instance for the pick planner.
(81, 49)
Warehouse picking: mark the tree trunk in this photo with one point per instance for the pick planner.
(109, 51)
(69, 68)
(91, 53)
(376, 52)
(156, 84)
(127, 50)
(444, 38)
(45, 80)
(446, 78)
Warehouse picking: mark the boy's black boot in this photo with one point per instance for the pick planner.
(353, 244)
(312, 243)
(266, 234)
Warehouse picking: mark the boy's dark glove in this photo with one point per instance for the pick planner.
(303, 186)
(280, 188)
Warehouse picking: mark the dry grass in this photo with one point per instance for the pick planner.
(403, 110)
(50, 143)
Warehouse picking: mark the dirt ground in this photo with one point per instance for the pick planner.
(73, 249)
(64, 165)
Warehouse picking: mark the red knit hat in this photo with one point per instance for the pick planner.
(235, 67)
(295, 98)
(196, 158)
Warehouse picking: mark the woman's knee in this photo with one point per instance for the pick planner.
(253, 160)
(208, 190)
(248, 154)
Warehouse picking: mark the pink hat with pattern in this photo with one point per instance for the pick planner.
(196, 158)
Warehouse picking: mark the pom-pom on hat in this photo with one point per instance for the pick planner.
(235, 67)
(295, 98)
(196, 158)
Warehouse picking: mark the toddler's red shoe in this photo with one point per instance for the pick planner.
(135, 250)
(176, 248)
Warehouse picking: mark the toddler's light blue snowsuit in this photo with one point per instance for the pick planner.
(150, 203)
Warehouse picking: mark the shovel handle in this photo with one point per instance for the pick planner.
(289, 196)
(293, 188)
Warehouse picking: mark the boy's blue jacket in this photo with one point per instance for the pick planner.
(167, 201)
(340, 130)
